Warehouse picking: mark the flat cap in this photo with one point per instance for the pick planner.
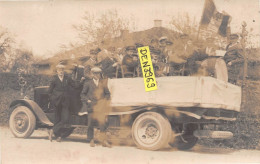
(96, 69)
(128, 48)
(60, 66)
(234, 36)
(163, 38)
(94, 51)
(137, 45)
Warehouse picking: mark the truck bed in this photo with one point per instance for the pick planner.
(176, 91)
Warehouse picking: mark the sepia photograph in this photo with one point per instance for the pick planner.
(129, 81)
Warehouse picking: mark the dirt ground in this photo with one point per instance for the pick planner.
(38, 149)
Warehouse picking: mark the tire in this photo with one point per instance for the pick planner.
(151, 131)
(22, 122)
(185, 141)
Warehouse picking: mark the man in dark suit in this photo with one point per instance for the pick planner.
(91, 62)
(96, 96)
(109, 66)
(59, 97)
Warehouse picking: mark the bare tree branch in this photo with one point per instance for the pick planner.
(98, 28)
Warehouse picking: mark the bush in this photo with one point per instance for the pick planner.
(6, 97)
(246, 130)
(11, 90)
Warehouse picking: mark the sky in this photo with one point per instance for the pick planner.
(43, 26)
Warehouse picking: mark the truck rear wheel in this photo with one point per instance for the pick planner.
(151, 131)
(22, 122)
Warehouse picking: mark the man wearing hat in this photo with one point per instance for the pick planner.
(92, 61)
(59, 97)
(233, 58)
(130, 62)
(110, 64)
(200, 51)
(165, 53)
(158, 65)
(96, 95)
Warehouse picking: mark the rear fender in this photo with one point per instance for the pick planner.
(135, 113)
(34, 108)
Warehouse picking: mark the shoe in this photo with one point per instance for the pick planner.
(88, 140)
(50, 132)
(58, 139)
(92, 143)
(106, 144)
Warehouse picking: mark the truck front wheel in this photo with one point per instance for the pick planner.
(151, 131)
(22, 122)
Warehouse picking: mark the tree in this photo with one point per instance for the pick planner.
(184, 24)
(6, 49)
(23, 61)
(98, 28)
(6, 40)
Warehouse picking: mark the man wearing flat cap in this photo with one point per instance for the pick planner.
(234, 58)
(110, 65)
(130, 62)
(92, 61)
(60, 99)
(164, 44)
(96, 96)
(158, 65)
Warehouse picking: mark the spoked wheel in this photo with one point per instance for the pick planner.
(22, 122)
(151, 131)
(185, 141)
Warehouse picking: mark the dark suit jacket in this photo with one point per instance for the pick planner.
(94, 93)
(130, 63)
(234, 54)
(107, 67)
(59, 90)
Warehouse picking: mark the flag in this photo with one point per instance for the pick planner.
(209, 9)
(213, 22)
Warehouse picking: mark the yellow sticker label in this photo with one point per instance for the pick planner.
(147, 68)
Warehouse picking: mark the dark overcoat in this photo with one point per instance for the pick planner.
(59, 90)
(94, 93)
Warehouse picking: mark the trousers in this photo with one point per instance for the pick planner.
(102, 124)
(62, 114)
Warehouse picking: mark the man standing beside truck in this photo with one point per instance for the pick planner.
(96, 96)
(60, 98)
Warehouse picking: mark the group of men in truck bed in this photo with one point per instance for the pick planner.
(183, 57)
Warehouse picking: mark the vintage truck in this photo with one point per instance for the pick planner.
(182, 110)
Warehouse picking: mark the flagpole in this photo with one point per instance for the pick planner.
(204, 8)
(244, 83)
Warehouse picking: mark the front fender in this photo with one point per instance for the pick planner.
(34, 108)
